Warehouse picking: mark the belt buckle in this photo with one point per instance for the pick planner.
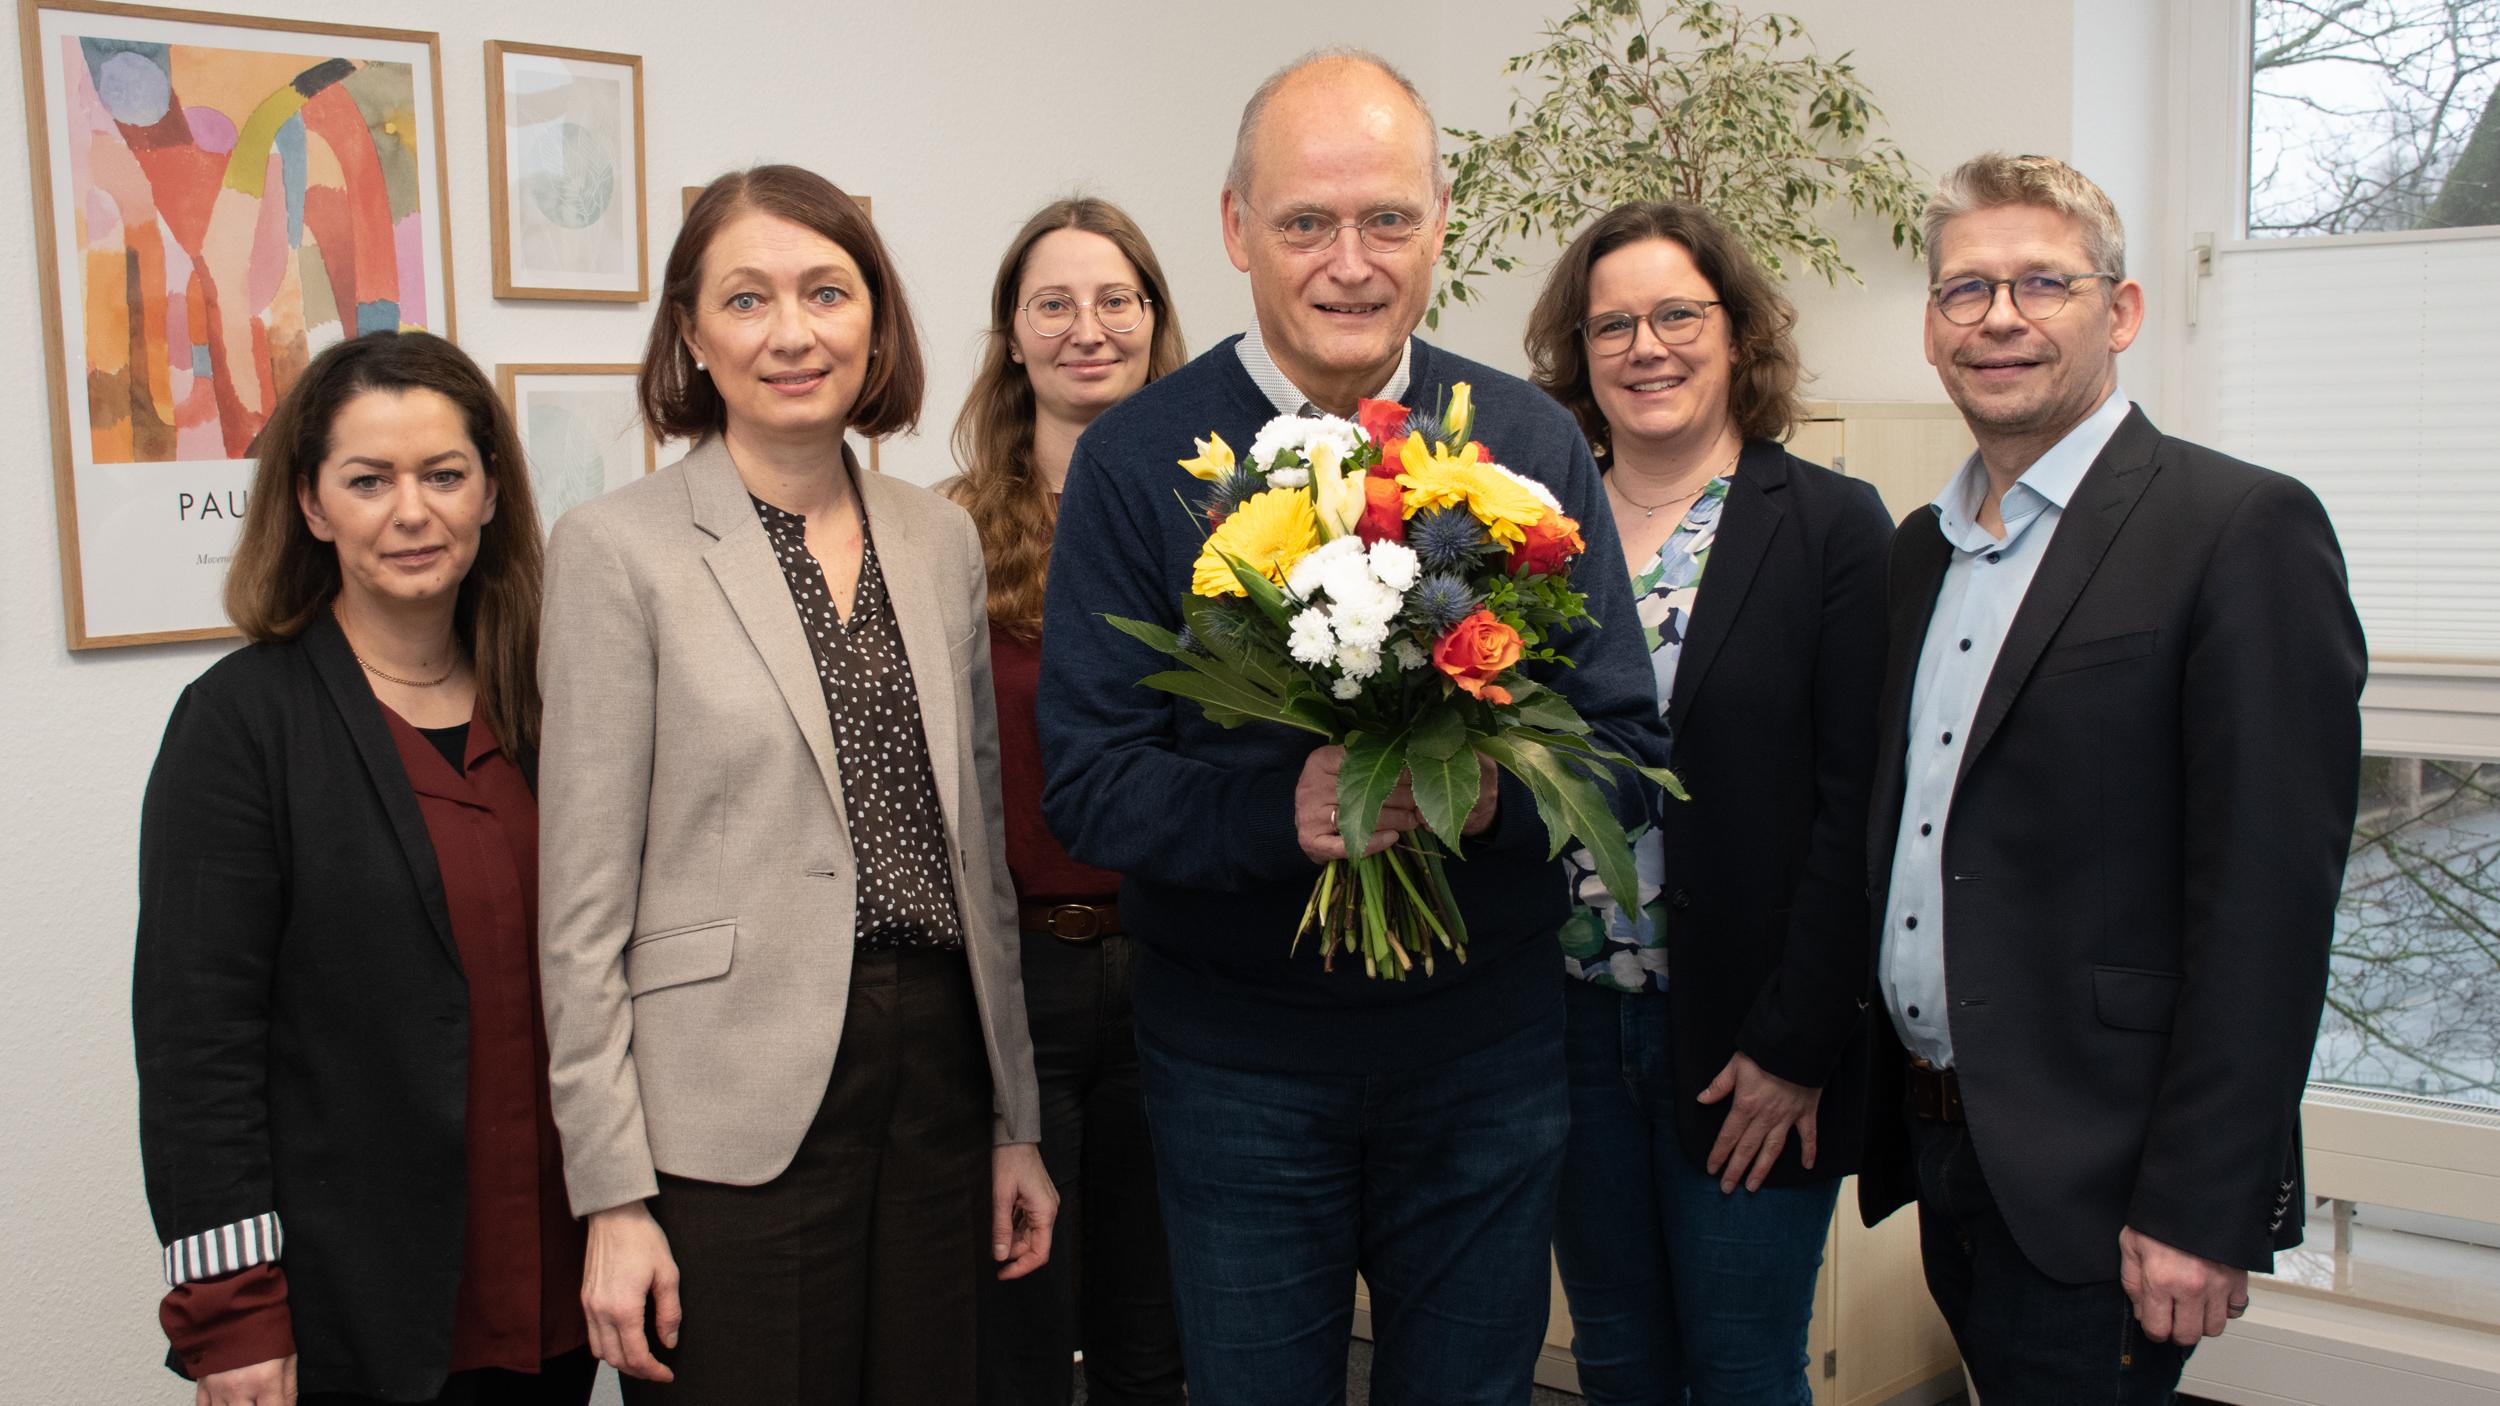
(1074, 922)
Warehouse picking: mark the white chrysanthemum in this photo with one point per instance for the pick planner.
(1311, 640)
(1347, 577)
(1289, 478)
(1543, 494)
(1309, 575)
(1297, 433)
(1358, 629)
(1347, 688)
(1394, 564)
(1358, 661)
(1409, 654)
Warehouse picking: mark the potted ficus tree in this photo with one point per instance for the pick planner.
(1701, 102)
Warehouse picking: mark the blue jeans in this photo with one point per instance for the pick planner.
(1436, 1183)
(1679, 1292)
(2024, 1336)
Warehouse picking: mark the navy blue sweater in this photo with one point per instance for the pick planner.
(1198, 819)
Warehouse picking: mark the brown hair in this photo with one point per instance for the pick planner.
(1762, 391)
(680, 402)
(282, 577)
(1008, 501)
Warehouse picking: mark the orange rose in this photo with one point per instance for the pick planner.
(1475, 652)
(1551, 542)
(1384, 509)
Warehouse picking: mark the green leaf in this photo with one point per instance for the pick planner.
(1370, 773)
(1546, 708)
(1236, 705)
(1152, 636)
(1437, 733)
(1445, 791)
(1572, 808)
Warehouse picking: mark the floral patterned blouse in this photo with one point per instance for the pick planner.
(1601, 944)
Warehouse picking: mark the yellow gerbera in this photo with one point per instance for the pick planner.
(1436, 478)
(1267, 534)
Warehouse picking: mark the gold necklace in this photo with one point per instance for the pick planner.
(1649, 510)
(377, 673)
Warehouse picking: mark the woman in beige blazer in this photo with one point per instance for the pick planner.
(785, 1018)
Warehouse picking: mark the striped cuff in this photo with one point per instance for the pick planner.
(224, 1250)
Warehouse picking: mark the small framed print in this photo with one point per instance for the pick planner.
(564, 173)
(581, 425)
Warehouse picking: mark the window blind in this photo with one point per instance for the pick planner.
(2369, 368)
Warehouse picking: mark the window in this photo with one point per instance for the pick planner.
(2373, 115)
(2413, 991)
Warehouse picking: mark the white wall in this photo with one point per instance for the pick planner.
(958, 120)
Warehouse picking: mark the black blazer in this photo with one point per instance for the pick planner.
(2142, 860)
(300, 1013)
(1773, 716)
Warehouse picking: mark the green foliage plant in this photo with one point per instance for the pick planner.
(1703, 103)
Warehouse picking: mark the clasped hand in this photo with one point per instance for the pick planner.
(1315, 809)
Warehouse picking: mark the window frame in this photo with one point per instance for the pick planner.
(2383, 1148)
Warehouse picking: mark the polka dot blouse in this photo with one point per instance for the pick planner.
(889, 793)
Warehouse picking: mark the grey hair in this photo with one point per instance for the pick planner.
(1993, 179)
(1237, 176)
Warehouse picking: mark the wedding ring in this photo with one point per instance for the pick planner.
(1332, 815)
(2236, 1309)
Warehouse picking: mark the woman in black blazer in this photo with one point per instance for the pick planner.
(1714, 1040)
(342, 1074)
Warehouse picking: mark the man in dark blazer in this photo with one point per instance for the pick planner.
(2115, 785)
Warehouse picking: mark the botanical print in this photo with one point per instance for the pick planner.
(582, 431)
(571, 198)
(1600, 942)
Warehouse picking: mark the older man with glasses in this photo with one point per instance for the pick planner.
(1310, 1124)
(2120, 760)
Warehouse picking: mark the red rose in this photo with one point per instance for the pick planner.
(1552, 541)
(1383, 420)
(1475, 652)
(1384, 508)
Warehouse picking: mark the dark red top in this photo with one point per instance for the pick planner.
(1041, 866)
(519, 1298)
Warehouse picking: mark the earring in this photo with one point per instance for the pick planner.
(698, 366)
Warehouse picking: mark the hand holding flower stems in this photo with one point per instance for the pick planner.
(1382, 583)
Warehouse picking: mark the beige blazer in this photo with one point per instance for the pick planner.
(696, 875)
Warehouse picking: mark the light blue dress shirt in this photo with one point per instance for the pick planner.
(1983, 587)
(1287, 397)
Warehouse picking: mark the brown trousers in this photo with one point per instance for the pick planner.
(852, 1278)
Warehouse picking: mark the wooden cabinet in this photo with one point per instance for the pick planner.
(1909, 451)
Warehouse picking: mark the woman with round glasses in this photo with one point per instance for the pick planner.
(1713, 1039)
(1079, 320)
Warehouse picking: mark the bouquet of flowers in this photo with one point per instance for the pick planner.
(1380, 582)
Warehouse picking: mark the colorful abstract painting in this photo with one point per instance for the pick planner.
(229, 197)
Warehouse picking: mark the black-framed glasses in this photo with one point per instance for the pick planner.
(1383, 231)
(1676, 322)
(1115, 310)
(2039, 296)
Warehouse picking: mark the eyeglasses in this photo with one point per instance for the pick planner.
(1118, 310)
(1675, 321)
(1382, 231)
(1966, 302)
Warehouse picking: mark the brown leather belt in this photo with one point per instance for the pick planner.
(1071, 922)
(1934, 1094)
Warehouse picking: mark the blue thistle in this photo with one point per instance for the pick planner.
(1447, 539)
(1187, 642)
(1440, 601)
(1232, 490)
(1428, 423)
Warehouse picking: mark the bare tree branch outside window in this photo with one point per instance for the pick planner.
(2372, 115)
(2413, 998)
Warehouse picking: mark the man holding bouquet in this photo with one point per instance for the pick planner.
(1311, 1118)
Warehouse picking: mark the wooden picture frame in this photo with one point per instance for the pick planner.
(582, 438)
(686, 197)
(313, 154)
(567, 205)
